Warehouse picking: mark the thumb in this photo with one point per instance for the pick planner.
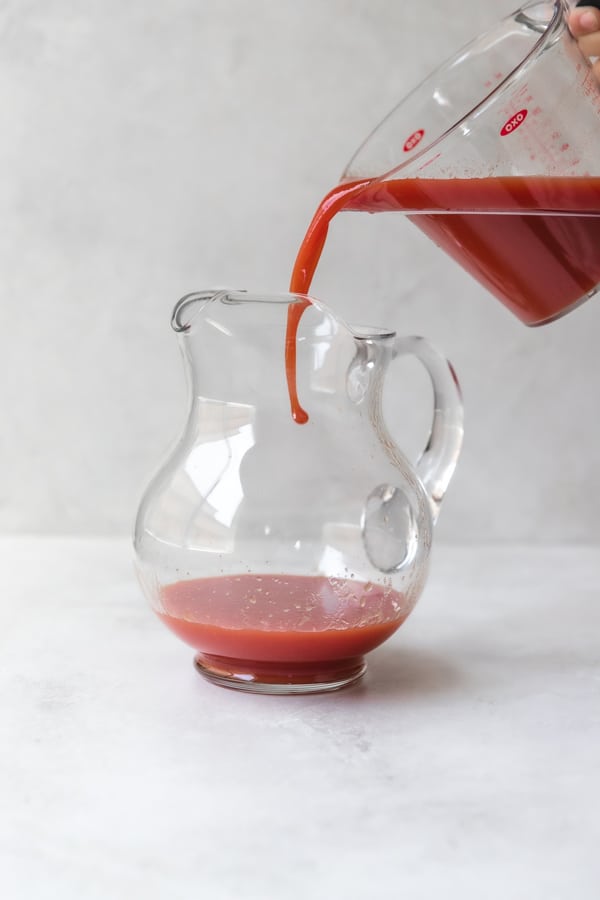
(585, 18)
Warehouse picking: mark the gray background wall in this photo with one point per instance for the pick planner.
(152, 147)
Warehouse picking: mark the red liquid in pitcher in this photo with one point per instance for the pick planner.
(295, 619)
(533, 242)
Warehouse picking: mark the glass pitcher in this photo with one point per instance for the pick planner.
(496, 157)
(283, 553)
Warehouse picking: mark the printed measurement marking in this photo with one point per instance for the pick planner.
(429, 161)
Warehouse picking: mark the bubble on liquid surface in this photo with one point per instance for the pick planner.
(389, 529)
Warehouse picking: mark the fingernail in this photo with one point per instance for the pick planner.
(589, 21)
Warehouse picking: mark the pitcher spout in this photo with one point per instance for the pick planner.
(190, 306)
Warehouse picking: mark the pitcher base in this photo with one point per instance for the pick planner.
(280, 678)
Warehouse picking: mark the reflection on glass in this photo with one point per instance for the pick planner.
(214, 468)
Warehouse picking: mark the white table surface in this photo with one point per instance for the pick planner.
(467, 763)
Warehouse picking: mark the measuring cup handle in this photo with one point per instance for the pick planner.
(436, 465)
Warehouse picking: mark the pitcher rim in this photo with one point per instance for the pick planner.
(235, 296)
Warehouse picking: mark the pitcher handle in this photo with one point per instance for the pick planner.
(436, 464)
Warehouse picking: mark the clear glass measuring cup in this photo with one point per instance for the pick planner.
(496, 156)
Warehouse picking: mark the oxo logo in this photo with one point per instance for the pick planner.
(513, 123)
(412, 141)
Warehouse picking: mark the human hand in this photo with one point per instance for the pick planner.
(584, 24)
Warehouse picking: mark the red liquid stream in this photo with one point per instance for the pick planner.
(533, 242)
(281, 618)
(303, 274)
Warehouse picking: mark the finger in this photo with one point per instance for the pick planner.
(584, 20)
(590, 44)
